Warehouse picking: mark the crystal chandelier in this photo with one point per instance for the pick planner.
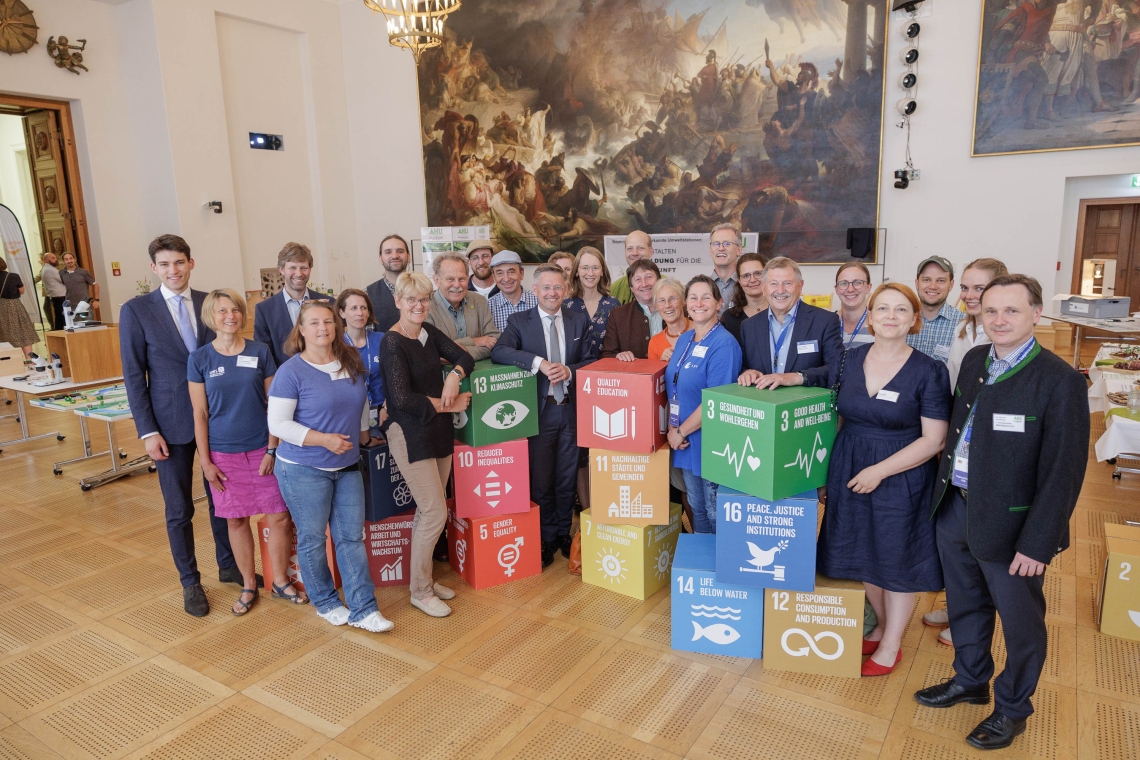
(415, 24)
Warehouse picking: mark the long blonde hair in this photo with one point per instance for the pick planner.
(995, 268)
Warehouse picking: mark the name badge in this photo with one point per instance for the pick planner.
(807, 347)
(674, 415)
(247, 361)
(942, 352)
(700, 351)
(1010, 423)
(885, 395)
(374, 417)
(961, 472)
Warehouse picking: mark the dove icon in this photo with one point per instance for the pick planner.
(761, 558)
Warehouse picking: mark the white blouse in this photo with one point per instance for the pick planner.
(964, 340)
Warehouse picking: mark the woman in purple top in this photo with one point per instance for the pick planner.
(229, 379)
(318, 407)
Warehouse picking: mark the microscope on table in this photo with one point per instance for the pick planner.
(78, 317)
(53, 370)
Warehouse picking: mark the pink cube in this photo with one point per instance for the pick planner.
(492, 480)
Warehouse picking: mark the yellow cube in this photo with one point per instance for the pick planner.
(1120, 592)
(634, 560)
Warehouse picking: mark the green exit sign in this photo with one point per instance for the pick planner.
(1136, 180)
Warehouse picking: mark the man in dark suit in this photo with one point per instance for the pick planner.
(631, 325)
(1019, 433)
(551, 342)
(394, 257)
(274, 317)
(157, 332)
(790, 342)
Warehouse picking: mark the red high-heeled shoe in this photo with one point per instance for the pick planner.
(869, 646)
(872, 668)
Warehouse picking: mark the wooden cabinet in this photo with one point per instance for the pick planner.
(88, 354)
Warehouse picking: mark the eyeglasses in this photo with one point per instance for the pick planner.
(844, 284)
(410, 301)
(721, 245)
(751, 276)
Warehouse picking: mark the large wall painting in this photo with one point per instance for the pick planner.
(1057, 75)
(557, 123)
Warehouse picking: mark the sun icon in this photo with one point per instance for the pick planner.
(611, 565)
(664, 562)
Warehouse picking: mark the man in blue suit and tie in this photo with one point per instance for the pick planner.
(157, 333)
(790, 342)
(274, 317)
(551, 342)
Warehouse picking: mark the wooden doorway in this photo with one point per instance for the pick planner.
(54, 164)
(1107, 260)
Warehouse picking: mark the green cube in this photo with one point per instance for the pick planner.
(504, 405)
(768, 443)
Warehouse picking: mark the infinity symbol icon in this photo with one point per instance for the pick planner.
(803, 651)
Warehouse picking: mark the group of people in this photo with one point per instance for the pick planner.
(71, 283)
(919, 387)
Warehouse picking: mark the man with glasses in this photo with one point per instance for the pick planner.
(394, 257)
(725, 241)
(933, 284)
(479, 254)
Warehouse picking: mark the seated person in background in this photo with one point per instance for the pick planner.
(633, 324)
(790, 342)
(273, 318)
(462, 315)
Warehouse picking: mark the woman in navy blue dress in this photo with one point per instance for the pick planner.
(894, 403)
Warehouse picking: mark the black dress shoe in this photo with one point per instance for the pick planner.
(564, 545)
(996, 731)
(194, 601)
(233, 575)
(950, 693)
(548, 549)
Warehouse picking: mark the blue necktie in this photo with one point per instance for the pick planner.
(185, 327)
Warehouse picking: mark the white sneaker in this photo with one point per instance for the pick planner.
(944, 638)
(432, 606)
(336, 616)
(374, 622)
(937, 618)
(442, 592)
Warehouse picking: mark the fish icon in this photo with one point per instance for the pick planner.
(718, 633)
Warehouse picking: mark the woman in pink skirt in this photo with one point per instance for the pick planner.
(229, 378)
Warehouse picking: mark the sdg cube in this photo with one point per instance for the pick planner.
(388, 543)
(621, 405)
(504, 405)
(492, 480)
(818, 632)
(633, 560)
(767, 443)
(488, 551)
(708, 616)
(1119, 613)
(766, 544)
(629, 488)
(294, 569)
(386, 493)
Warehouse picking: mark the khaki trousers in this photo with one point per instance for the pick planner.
(427, 480)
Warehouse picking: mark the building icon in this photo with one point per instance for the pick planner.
(631, 508)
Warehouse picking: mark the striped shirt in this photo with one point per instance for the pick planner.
(937, 334)
(502, 309)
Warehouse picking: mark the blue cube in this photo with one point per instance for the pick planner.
(766, 544)
(710, 617)
(386, 493)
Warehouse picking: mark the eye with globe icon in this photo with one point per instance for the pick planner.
(506, 415)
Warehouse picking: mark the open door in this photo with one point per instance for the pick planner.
(50, 181)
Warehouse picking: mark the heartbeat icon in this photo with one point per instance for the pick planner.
(805, 462)
(738, 461)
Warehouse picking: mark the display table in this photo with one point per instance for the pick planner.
(111, 397)
(1121, 327)
(1121, 439)
(25, 388)
(87, 354)
(108, 414)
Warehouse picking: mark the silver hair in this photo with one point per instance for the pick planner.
(437, 262)
(728, 226)
(781, 262)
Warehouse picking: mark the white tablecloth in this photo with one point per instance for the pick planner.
(1109, 381)
(1121, 437)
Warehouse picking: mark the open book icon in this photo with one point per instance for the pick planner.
(613, 426)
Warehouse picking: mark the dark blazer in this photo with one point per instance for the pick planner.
(525, 339)
(272, 323)
(1023, 486)
(471, 287)
(626, 330)
(383, 305)
(154, 366)
(812, 324)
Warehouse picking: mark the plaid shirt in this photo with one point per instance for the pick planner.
(937, 334)
(502, 309)
(997, 368)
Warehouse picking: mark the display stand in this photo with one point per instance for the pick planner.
(117, 470)
(1119, 328)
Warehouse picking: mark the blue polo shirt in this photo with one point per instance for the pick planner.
(235, 394)
(684, 381)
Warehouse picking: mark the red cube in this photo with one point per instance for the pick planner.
(492, 480)
(294, 571)
(488, 551)
(622, 405)
(389, 546)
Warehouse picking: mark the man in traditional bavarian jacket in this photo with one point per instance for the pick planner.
(1009, 480)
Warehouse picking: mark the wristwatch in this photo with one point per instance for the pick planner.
(803, 378)
(271, 452)
(455, 371)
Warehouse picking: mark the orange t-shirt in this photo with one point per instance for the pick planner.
(659, 342)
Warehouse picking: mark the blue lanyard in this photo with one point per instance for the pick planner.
(779, 343)
(687, 353)
(858, 327)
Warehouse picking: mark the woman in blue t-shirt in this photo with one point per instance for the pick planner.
(704, 357)
(318, 407)
(355, 308)
(229, 379)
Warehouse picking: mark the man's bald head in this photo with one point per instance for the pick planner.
(638, 245)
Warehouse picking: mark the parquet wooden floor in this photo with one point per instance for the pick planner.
(98, 660)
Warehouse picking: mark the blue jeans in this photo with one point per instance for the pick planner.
(702, 498)
(335, 499)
